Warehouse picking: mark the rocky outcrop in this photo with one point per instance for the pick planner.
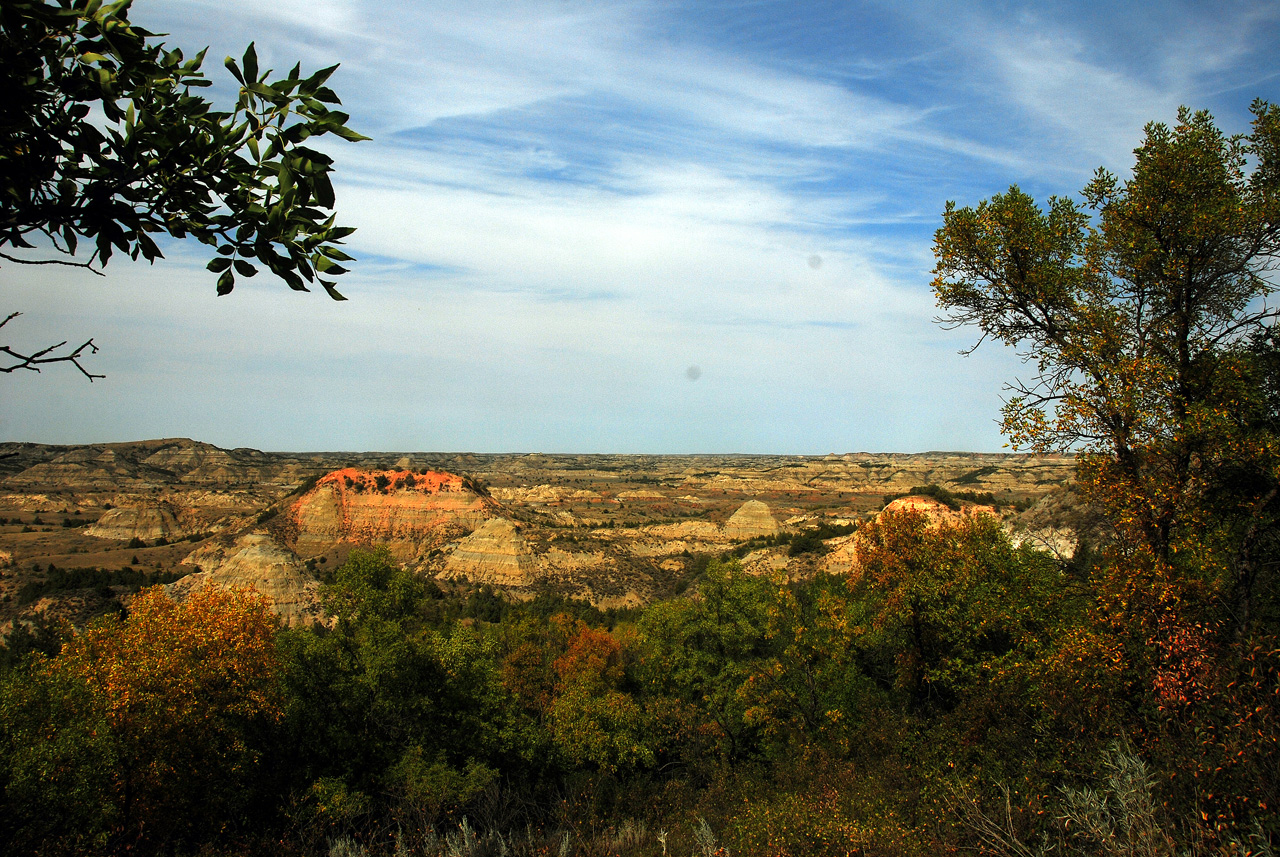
(147, 521)
(667, 539)
(769, 561)
(410, 513)
(841, 557)
(545, 494)
(496, 553)
(256, 562)
(1058, 522)
(559, 563)
(879, 473)
(627, 536)
(642, 494)
(1062, 542)
(751, 520)
(937, 511)
(149, 464)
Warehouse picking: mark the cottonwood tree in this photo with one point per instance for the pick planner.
(141, 733)
(103, 140)
(1144, 314)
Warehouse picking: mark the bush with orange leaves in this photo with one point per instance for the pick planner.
(143, 732)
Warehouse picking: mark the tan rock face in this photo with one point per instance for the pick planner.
(752, 519)
(935, 511)
(1057, 523)
(842, 555)
(408, 512)
(256, 562)
(642, 494)
(765, 562)
(150, 521)
(544, 494)
(131, 466)
(842, 551)
(30, 502)
(495, 554)
(627, 537)
(673, 538)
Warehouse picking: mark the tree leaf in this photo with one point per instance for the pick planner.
(347, 134)
(335, 253)
(251, 64)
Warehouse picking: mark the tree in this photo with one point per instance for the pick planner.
(46, 355)
(592, 718)
(962, 610)
(1140, 321)
(143, 732)
(103, 139)
(704, 651)
(811, 686)
(383, 704)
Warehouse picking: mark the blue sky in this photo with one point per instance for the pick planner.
(630, 226)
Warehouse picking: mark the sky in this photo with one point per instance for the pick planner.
(629, 227)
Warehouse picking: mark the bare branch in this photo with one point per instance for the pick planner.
(997, 832)
(45, 356)
(1252, 321)
(85, 265)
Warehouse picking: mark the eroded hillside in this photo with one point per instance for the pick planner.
(82, 526)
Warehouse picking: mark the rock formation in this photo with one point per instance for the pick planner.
(596, 526)
(1058, 522)
(841, 557)
(408, 512)
(544, 494)
(752, 519)
(256, 562)
(149, 464)
(496, 554)
(146, 521)
(937, 511)
(642, 494)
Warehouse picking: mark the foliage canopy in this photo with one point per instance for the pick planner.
(1151, 335)
(104, 139)
(1125, 318)
(148, 723)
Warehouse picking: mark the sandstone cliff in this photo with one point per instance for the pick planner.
(496, 553)
(410, 513)
(598, 526)
(256, 562)
(936, 511)
(751, 520)
(148, 521)
(125, 467)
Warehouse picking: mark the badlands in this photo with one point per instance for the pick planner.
(81, 527)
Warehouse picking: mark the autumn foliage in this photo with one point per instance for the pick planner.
(166, 705)
(953, 692)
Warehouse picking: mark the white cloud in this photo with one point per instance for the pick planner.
(567, 205)
(1089, 82)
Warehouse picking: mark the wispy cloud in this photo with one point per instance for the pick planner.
(568, 204)
(1082, 85)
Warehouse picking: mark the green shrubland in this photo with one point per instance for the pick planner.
(958, 693)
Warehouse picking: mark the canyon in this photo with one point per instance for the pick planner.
(82, 526)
